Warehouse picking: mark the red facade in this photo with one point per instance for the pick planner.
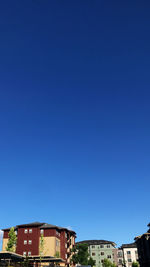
(63, 242)
(28, 237)
(32, 238)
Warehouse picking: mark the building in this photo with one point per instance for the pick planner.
(119, 259)
(143, 245)
(129, 254)
(58, 241)
(99, 250)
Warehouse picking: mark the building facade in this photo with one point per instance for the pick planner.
(119, 259)
(58, 241)
(143, 245)
(127, 254)
(99, 250)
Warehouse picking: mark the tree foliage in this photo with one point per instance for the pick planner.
(57, 254)
(12, 240)
(135, 264)
(41, 247)
(91, 262)
(108, 263)
(26, 262)
(81, 255)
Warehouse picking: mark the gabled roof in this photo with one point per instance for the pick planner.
(96, 242)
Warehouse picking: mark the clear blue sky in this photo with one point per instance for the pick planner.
(75, 115)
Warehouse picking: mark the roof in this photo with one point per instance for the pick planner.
(96, 242)
(51, 226)
(11, 255)
(140, 236)
(131, 245)
(42, 225)
(5, 255)
(30, 224)
(37, 258)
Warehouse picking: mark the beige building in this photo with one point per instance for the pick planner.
(129, 254)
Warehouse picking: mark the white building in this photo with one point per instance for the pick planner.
(130, 254)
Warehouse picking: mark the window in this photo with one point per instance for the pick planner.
(57, 233)
(30, 231)
(29, 253)
(102, 261)
(102, 253)
(129, 260)
(25, 231)
(24, 253)
(30, 242)
(101, 246)
(93, 254)
(108, 246)
(120, 261)
(108, 256)
(25, 242)
(128, 252)
(93, 246)
(119, 254)
(42, 231)
(57, 243)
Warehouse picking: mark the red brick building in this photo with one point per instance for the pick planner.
(58, 241)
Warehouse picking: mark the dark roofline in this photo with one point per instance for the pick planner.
(96, 242)
(131, 245)
(41, 226)
(51, 226)
(34, 224)
(30, 224)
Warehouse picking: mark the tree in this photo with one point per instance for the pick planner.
(91, 262)
(26, 262)
(108, 263)
(12, 240)
(81, 255)
(57, 255)
(41, 248)
(135, 264)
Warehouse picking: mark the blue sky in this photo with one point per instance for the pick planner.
(74, 116)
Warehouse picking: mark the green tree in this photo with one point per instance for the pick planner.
(81, 255)
(12, 240)
(41, 247)
(57, 255)
(108, 263)
(26, 262)
(135, 264)
(91, 262)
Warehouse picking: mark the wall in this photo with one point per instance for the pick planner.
(129, 258)
(98, 257)
(34, 236)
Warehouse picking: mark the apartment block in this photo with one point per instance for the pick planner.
(143, 245)
(99, 250)
(58, 241)
(129, 254)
